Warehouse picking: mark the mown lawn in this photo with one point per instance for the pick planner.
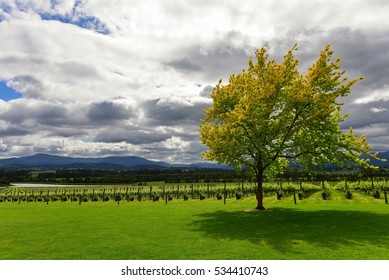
(313, 229)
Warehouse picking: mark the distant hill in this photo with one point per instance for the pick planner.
(118, 163)
(127, 162)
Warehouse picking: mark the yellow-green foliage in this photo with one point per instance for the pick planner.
(271, 112)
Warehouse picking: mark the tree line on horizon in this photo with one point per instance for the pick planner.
(171, 176)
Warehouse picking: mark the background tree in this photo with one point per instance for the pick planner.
(272, 113)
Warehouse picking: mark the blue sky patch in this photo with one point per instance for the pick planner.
(78, 18)
(81, 20)
(7, 93)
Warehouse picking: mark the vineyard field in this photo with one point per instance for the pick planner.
(197, 228)
(156, 191)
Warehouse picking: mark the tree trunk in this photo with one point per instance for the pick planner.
(259, 175)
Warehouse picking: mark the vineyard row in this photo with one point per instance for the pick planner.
(206, 191)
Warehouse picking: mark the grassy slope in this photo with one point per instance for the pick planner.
(313, 229)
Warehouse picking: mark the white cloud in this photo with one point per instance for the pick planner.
(378, 110)
(72, 62)
(3, 146)
(381, 94)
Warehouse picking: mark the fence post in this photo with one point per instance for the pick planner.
(19, 198)
(225, 193)
(294, 196)
(386, 196)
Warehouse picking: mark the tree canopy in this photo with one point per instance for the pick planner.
(272, 113)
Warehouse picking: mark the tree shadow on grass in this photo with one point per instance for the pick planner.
(281, 228)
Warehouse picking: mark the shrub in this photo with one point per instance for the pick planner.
(376, 194)
(326, 195)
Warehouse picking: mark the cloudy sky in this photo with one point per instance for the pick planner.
(117, 77)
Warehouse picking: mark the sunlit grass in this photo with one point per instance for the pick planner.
(194, 229)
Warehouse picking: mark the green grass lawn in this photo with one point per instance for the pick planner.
(312, 229)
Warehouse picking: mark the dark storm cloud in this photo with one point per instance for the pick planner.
(196, 148)
(174, 114)
(131, 136)
(219, 58)
(36, 112)
(52, 115)
(362, 115)
(107, 111)
(52, 119)
(13, 131)
(206, 92)
(185, 65)
(221, 62)
(66, 131)
(362, 52)
(365, 53)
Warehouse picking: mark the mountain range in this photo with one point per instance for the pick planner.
(114, 162)
(118, 162)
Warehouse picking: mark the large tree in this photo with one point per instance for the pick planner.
(271, 114)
